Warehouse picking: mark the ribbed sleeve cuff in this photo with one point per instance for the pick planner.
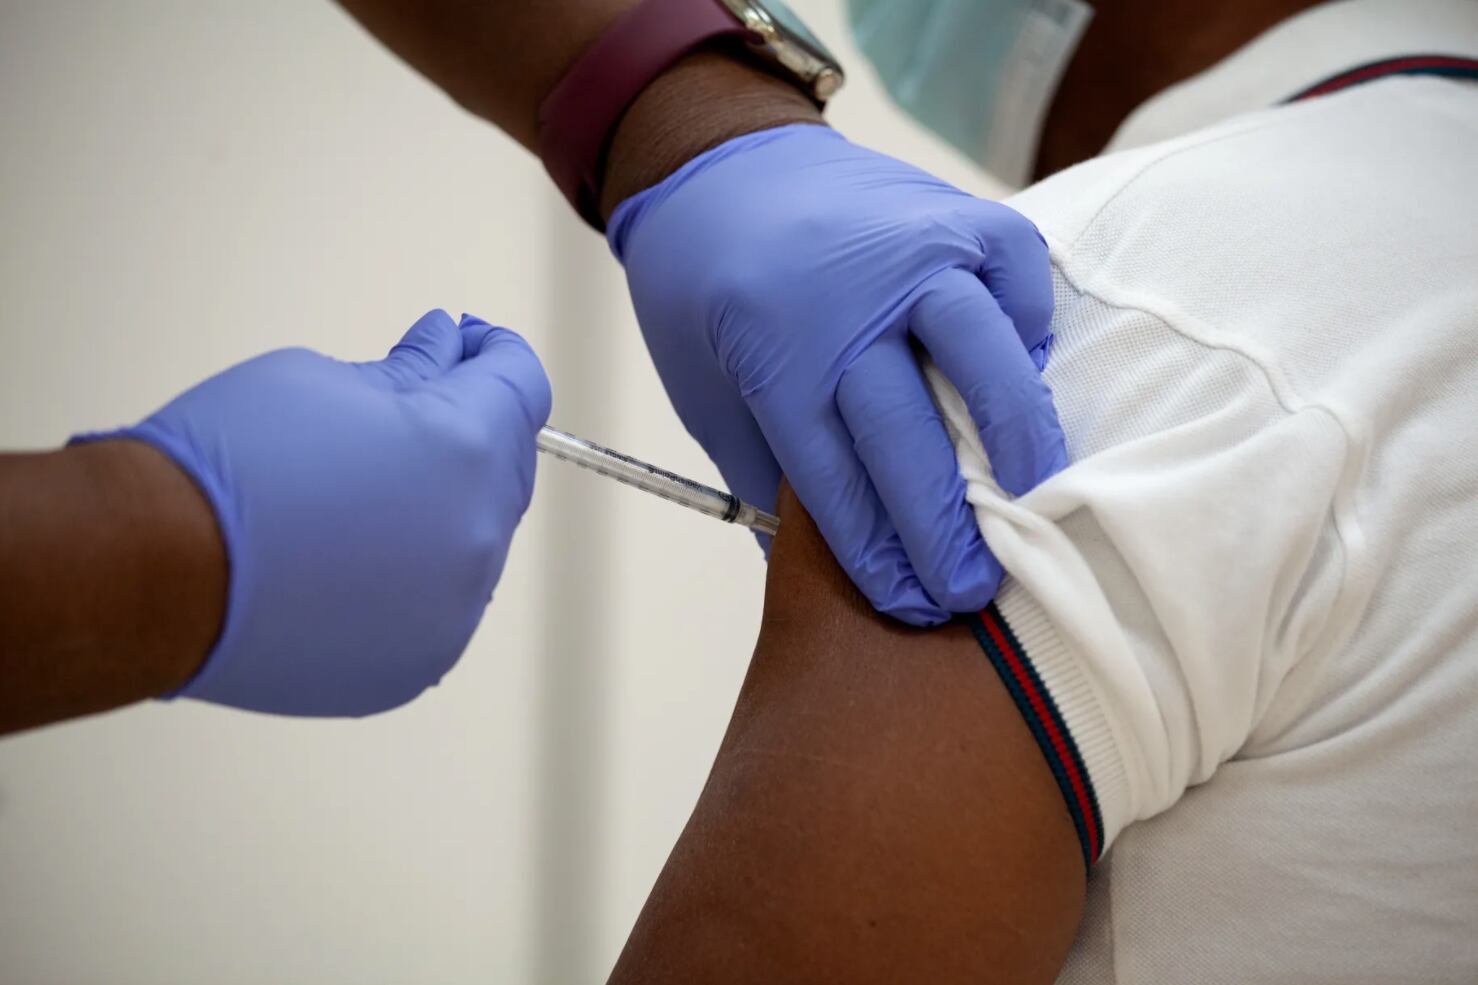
(1049, 687)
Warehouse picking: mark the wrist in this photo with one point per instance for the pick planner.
(112, 580)
(167, 563)
(705, 99)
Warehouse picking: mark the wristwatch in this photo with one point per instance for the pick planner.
(579, 116)
(786, 42)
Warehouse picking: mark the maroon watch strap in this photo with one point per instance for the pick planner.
(577, 118)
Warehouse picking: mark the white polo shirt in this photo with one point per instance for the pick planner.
(1244, 623)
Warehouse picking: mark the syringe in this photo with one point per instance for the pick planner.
(659, 482)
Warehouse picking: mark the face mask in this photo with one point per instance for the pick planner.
(980, 73)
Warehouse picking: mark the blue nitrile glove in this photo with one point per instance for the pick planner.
(780, 281)
(366, 510)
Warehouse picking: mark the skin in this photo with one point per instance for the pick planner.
(1131, 50)
(500, 58)
(878, 811)
(112, 570)
(112, 580)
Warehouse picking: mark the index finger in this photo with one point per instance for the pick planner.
(499, 374)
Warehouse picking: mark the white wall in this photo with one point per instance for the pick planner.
(184, 183)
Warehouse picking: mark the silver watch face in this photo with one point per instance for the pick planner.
(792, 25)
(788, 41)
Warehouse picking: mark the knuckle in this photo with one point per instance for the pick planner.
(1010, 223)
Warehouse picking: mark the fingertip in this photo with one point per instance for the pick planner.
(1060, 460)
(541, 395)
(499, 366)
(1028, 447)
(1042, 351)
(519, 365)
(999, 381)
(900, 439)
(479, 336)
(477, 333)
(974, 581)
(1030, 308)
(914, 612)
(1020, 463)
(884, 576)
(891, 585)
(1016, 267)
(434, 326)
(436, 316)
(1024, 294)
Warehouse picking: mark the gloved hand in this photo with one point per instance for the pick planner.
(366, 510)
(781, 281)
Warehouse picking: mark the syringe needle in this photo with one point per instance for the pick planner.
(659, 482)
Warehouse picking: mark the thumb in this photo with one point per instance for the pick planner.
(499, 379)
(431, 347)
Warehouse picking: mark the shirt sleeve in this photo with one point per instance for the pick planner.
(1162, 588)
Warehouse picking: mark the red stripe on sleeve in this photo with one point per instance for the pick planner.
(1039, 705)
(1395, 66)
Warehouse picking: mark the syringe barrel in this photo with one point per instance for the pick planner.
(650, 478)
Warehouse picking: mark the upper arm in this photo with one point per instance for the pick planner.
(878, 811)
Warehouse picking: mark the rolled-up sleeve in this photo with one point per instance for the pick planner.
(1163, 587)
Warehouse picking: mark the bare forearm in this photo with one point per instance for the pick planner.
(112, 580)
(878, 811)
(500, 58)
(707, 98)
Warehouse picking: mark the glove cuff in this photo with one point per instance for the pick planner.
(628, 214)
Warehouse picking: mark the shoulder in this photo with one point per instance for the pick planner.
(1376, 176)
(1306, 238)
(1397, 141)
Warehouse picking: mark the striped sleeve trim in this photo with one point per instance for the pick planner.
(1040, 709)
(1452, 66)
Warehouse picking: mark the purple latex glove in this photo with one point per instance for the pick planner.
(782, 280)
(366, 509)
